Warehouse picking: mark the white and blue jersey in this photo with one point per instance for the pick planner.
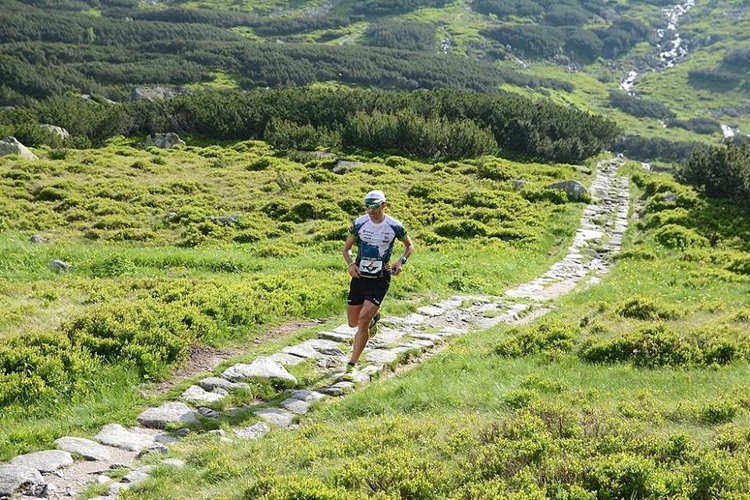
(375, 243)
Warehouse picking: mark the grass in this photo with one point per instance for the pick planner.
(444, 417)
(471, 422)
(105, 213)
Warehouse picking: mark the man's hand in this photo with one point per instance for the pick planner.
(353, 270)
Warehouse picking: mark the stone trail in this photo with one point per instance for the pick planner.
(77, 462)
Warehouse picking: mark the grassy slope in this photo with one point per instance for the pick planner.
(103, 211)
(405, 435)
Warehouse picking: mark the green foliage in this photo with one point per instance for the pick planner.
(150, 337)
(722, 171)
(660, 346)
(647, 310)
(674, 236)
(546, 337)
(639, 107)
(40, 367)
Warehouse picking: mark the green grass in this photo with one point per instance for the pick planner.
(502, 427)
(104, 212)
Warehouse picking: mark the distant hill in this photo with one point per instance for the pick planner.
(660, 69)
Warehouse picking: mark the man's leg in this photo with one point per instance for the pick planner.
(352, 314)
(367, 311)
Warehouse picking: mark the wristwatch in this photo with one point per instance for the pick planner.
(403, 260)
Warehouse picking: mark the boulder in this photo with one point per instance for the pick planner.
(11, 146)
(163, 140)
(574, 189)
(59, 266)
(58, 131)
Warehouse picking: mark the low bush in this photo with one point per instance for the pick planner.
(657, 346)
(679, 237)
(547, 336)
(646, 310)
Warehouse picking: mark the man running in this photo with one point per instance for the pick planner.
(374, 234)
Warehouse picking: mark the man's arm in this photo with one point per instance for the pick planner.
(352, 270)
(408, 249)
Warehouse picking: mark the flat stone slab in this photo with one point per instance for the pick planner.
(44, 461)
(432, 337)
(211, 383)
(20, 479)
(336, 337)
(302, 350)
(306, 395)
(253, 432)
(346, 329)
(196, 394)
(431, 311)
(88, 449)
(117, 436)
(172, 412)
(260, 368)
(286, 359)
(296, 406)
(381, 356)
(276, 416)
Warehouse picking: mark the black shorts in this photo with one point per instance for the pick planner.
(372, 289)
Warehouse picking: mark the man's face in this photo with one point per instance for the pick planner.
(375, 210)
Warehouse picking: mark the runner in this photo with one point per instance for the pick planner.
(374, 234)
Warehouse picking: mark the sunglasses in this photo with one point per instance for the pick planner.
(374, 206)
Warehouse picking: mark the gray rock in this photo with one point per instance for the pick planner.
(260, 368)
(88, 449)
(36, 239)
(381, 356)
(168, 413)
(211, 383)
(224, 219)
(296, 406)
(574, 189)
(163, 141)
(59, 131)
(276, 416)
(306, 395)
(20, 480)
(174, 462)
(11, 146)
(196, 394)
(286, 359)
(59, 266)
(138, 475)
(345, 165)
(117, 436)
(253, 432)
(44, 461)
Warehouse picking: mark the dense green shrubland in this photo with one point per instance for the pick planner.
(424, 124)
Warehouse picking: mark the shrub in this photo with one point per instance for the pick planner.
(495, 171)
(461, 229)
(646, 309)
(114, 265)
(547, 336)
(674, 236)
(150, 336)
(649, 347)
